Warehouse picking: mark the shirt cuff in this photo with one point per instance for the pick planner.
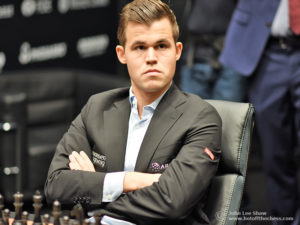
(107, 220)
(113, 186)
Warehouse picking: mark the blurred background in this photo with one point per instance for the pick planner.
(53, 55)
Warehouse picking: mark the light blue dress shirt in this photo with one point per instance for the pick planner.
(113, 182)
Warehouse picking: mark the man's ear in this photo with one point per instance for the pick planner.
(179, 47)
(121, 54)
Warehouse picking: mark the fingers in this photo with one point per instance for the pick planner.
(80, 161)
(87, 160)
(74, 165)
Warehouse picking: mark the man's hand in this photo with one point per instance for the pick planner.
(136, 180)
(132, 180)
(80, 161)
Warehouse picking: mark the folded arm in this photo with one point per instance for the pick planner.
(181, 186)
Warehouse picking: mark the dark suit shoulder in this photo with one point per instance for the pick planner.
(107, 98)
(196, 103)
(117, 93)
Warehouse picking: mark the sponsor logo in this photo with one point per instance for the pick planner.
(30, 54)
(156, 167)
(93, 45)
(32, 7)
(7, 11)
(68, 5)
(99, 159)
(2, 60)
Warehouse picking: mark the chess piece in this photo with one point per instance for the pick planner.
(86, 222)
(5, 216)
(97, 218)
(78, 213)
(56, 212)
(24, 217)
(37, 205)
(66, 220)
(18, 203)
(46, 219)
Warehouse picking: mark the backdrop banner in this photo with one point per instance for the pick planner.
(62, 33)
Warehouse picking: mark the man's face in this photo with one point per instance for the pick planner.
(150, 54)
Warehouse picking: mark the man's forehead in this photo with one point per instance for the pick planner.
(157, 31)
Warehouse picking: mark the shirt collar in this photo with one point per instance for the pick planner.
(153, 105)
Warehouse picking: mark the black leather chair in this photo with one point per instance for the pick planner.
(39, 105)
(227, 187)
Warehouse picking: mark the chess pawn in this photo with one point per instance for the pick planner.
(86, 222)
(66, 220)
(56, 212)
(46, 219)
(5, 216)
(18, 203)
(37, 205)
(24, 217)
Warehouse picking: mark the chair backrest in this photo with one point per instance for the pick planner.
(226, 190)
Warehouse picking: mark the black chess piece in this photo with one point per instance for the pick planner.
(18, 203)
(78, 213)
(5, 216)
(56, 212)
(24, 217)
(46, 219)
(37, 205)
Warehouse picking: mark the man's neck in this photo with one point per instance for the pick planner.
(146, 98)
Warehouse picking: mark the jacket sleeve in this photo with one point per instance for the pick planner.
(182, 185)
(73, 186)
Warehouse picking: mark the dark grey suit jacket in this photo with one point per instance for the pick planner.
(182, 126)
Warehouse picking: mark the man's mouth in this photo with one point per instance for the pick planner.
(152, 72)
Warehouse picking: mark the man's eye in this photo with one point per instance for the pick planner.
(162, 46)
(139, 47)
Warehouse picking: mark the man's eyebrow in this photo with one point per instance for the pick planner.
(138, 43)
(162, 41)
(157, 42)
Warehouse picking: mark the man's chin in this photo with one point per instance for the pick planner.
(156, 88)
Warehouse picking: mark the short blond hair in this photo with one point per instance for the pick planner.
(145, 12)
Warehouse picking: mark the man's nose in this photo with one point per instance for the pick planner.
(151, 56)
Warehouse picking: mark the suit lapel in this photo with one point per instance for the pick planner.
(165, 115)
(116, 128)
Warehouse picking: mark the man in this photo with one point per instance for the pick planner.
(147, 154)
(263, 43)
(201, 72)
